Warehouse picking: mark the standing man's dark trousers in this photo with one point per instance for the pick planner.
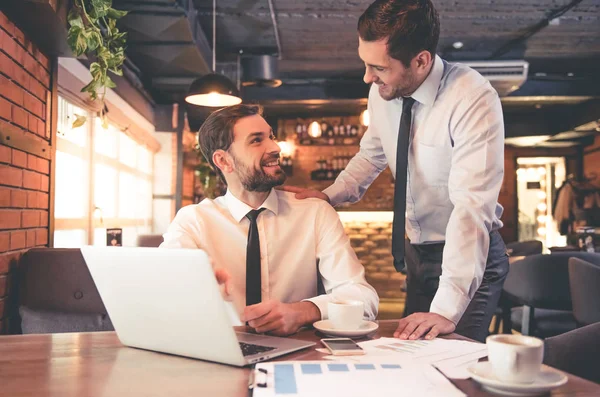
(423, 270)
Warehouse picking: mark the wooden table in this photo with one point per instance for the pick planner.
(96, 364)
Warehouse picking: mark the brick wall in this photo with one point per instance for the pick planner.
(24, 178)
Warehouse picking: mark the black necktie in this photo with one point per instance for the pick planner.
(253, 294)
(400, 185)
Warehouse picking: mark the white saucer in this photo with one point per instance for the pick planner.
(546, 380)
(326, 327)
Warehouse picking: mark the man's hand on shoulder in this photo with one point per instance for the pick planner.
(279, 318)
(302, 193)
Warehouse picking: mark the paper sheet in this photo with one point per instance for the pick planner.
(452, 357)
(330, 379)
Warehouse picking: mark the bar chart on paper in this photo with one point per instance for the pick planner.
(326, 378)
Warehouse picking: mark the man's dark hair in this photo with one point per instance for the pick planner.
(410, 26)
(217, 131)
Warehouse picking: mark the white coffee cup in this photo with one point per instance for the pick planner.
(515, 358)
(346, 314)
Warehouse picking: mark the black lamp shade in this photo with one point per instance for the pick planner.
(213, 90)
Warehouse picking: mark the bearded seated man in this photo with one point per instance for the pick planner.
(266, 240)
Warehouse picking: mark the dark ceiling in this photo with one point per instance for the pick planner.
(170, 42)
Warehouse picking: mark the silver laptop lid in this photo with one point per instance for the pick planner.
(165, 300)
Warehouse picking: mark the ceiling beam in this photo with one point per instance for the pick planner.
(198, 35)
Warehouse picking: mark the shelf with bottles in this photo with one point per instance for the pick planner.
(328, 134)
(330, 168)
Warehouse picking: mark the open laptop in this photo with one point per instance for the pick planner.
(168, 300)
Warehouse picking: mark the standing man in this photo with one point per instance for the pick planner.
(439, 127)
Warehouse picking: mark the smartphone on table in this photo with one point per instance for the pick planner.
(342, 346)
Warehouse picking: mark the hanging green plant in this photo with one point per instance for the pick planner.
(93, 31)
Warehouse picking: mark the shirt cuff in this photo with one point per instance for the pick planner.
(321, 302)
(449, 303)
(336, 193)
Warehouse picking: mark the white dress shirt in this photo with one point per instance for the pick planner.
(293, 235)
(455, 170)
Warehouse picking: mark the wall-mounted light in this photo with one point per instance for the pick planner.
(286, 148)
(314, 130)
(364, 118)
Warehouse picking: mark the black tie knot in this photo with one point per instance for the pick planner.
(253, 214)
(407, 104)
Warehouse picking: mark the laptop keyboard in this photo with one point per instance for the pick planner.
(249, 349)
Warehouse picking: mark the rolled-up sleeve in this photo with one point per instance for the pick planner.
(342, 273)
(474, 184)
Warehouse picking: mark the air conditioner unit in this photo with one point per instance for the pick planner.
(505, 76)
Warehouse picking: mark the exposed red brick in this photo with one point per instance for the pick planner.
(6, 64)
(44, 78)
(8, 261)
(33, 126)
(19, 158)
(6, 24)
(43, 218)
(11, 176)
(42, 129)
(43, 166)
(31, 180)
(41, 236)
(31, 65)
(10, 90)
(37, 89)
(3, 285)
(18, 239)
(30, 219)
(10, 219)
(4, 244)
(41, 58)
(18, 198)
(19, 35)
(45, 184)
(4, 197)
(31, 161)
(43, 201)
(30, 238)
(5, 154)
(9, 45)
(19, 116)
(32, 199)
(4, 109)
(33, 105)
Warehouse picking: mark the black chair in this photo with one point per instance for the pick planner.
(503, 311)
(576, 352)
(584, 280)
(524, 248)
(149, 240)
(55, 293)
(541, 284)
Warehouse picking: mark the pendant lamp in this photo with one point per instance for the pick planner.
(213, 90)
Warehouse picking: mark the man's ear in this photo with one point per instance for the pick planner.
(223, 161)
(422, 60)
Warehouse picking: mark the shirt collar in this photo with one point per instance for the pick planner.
(428, 90)
(239, 209)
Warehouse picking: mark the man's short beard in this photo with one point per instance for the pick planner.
(256, 180)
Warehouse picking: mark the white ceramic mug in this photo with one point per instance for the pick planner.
(346, 314)
(515, 358)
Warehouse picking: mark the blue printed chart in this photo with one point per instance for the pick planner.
(326, 378)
